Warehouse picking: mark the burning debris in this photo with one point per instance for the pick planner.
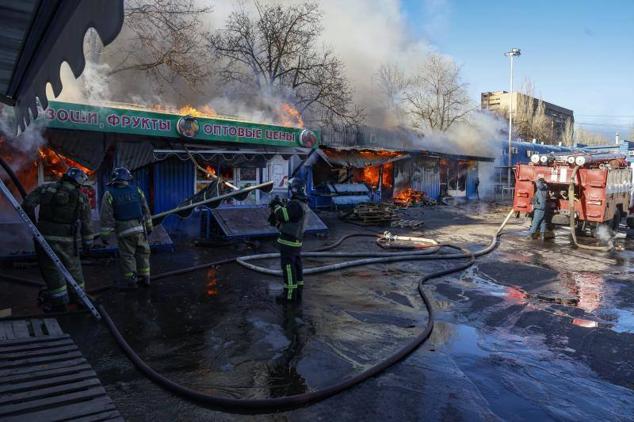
(412, 198)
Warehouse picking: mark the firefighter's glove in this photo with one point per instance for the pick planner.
(105, 238)
(275, 202)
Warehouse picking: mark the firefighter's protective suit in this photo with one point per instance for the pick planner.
(290, 219)
(125, 212)
(64, 219)
(541, 209)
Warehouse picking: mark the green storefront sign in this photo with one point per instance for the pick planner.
(71, 116)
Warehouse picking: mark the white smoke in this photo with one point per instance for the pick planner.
(93, 86)
(25, 144)
(603, 233)
(364, 34)
(375, 33)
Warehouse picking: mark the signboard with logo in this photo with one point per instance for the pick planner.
(72, 116)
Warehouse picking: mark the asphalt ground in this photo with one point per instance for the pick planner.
(533, 331)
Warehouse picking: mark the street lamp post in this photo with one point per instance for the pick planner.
(515, 52)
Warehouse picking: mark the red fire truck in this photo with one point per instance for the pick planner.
(601, 185)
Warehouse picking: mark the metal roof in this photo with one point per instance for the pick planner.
(37, 36)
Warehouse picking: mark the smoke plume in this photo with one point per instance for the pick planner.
(365, 34)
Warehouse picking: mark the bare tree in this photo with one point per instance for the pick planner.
(587, 137)
(568, 135)
(437, 96)
(164, 39)
(531, 121)
(392, 84)
(529, 116)
(275, 52)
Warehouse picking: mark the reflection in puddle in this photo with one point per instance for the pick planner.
(212, 282)
(588, 287)
(624, 322)
(585, 323)
(458, 339)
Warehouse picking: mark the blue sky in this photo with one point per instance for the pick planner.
(578, 54)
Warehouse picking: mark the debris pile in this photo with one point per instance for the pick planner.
(412, 198)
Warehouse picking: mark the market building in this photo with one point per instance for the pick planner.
(391, 165)
(172, 156)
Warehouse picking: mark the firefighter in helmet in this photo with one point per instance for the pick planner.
(64, 215)
(290, 219)
(124, 211)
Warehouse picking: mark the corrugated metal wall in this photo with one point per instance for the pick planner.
(429, 182)
(419, 173)
(173, 182)
(142, 180)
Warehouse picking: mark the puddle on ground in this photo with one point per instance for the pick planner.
(460, 339)
(624, 322)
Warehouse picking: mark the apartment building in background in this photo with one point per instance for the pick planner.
(499, 101)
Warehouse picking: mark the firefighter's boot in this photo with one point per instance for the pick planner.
(144, 280)
(127, 283)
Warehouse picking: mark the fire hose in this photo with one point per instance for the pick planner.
(573, 229)
(298, 400)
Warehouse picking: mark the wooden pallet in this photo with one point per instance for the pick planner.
(373, 214)
(44, 377)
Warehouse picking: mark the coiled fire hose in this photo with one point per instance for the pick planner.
(573, 229)
(298, 400)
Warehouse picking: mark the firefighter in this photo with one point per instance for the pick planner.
(290, 219)
(124, 211)
(541, 209)
(64, 214)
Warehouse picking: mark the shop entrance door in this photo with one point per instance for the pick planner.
(249, 176)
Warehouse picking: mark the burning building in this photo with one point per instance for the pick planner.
(391, 166)
(172, 156)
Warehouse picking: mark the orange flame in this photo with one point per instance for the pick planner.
(212, 282)
(408, 197)
(290, 116)
(210, 172)
(56, 164)
(204, 111)
(370, 176)
(23, 165)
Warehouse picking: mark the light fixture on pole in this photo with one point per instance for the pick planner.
(515, 52)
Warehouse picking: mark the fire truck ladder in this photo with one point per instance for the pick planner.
(49, 251)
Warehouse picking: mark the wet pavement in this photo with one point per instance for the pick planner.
(533, 331)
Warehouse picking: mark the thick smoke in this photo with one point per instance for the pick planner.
(376, 33)
(21, 148)
(365, 34)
